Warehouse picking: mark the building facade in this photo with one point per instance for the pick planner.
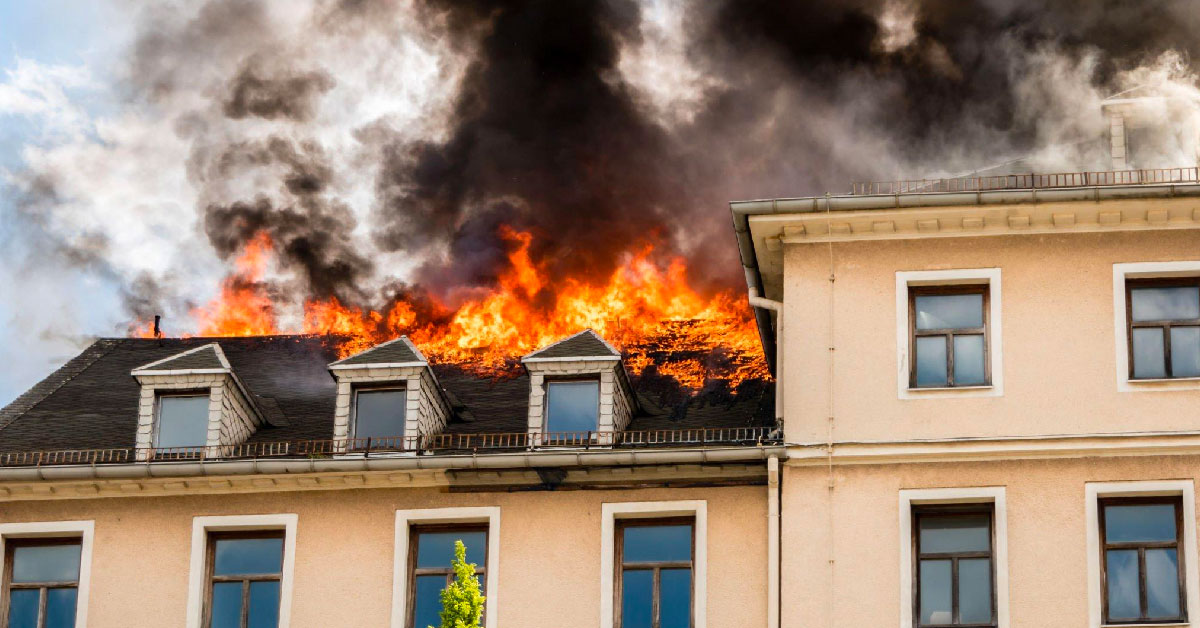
(986, 416)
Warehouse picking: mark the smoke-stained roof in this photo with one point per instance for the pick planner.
(92, 401)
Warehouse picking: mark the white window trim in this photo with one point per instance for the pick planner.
(970, 495)
(1095, 491)
(969, 276)
(405, 519)
(197, 578)
(610, 512)
(84, 530)
(1144, 270)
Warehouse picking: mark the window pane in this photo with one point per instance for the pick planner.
(1185, 351)
(1123, 594)
(248, 556)
(226, 605)
(572, 406)
(956, 533)
(264, 604)
(60, 608)
(949, 311)
(931, 361)
(1148, 357)
(968, 360)
(637, 595)
(675, 598)
(975, 590)
(1160, 304)
(427, 607)
(1146, 523)
(46, 563)
(657, 543)
(1162, 584)
(379, 413)
(23, 608)
(935, 592)
(183, 421)
(436, 549)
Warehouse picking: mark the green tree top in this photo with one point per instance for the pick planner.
(462, 605)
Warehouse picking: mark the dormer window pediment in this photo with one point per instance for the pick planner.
(578, 392)
(387, 398)
(193, 400)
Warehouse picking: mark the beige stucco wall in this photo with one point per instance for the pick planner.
(1058, 338)
(549, 552)
(846, 539)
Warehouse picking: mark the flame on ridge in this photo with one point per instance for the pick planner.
(648, 311)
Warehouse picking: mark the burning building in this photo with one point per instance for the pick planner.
(514, 321)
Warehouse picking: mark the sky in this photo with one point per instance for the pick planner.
(386, 146)
(77, 42)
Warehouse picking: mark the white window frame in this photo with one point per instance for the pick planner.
(406, 519)
(612, 511)
(198, 577)
(959, 277)
(83, 530)
(1095, 491)
(1144, 270)
(994, 495)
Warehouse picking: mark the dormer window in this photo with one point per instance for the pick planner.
(182, 421)
(579, 393)
(379, 415)
(573, 406)
(387, 399)
(193, 401)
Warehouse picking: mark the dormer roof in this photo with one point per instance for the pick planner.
(400, 352)
(585, 345)
(204, 359)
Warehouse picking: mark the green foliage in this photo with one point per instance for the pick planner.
(462, 605)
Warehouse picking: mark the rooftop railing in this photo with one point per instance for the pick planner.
(1029, 181)
(431, 444)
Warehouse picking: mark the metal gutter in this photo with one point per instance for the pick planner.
(400, 462)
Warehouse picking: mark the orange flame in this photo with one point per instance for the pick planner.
(650, 313)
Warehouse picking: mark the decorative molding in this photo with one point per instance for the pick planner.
(84, 530)
(1143, 270)
(405, 519)
(747, 472)
(197, 578)
(979, 220)
(999, 448)
(966, 495)
(988, 276)
(611, 511)
(1093, 491)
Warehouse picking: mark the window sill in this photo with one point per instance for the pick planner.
(1175, 624)
(1162, 384)
(1160, 380)
(948, 388)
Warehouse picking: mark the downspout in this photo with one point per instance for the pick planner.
(777, 307)
(773, 538)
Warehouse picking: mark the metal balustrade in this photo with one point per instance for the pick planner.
(431, 444)
(1028, 181)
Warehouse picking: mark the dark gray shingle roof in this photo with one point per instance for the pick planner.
(91, 402)
(585, 344)
(395, 351)
(193, 359)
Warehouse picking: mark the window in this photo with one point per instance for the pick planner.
(245, 575)
(1163, 327)
(572, 406)
(41, 582)
(948, 328)
(954, 581)
(430, 553)
(182, 421)
(654, 583)
(1142, 574)
(379, 415)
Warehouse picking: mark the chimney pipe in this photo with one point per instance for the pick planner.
(157, 328)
